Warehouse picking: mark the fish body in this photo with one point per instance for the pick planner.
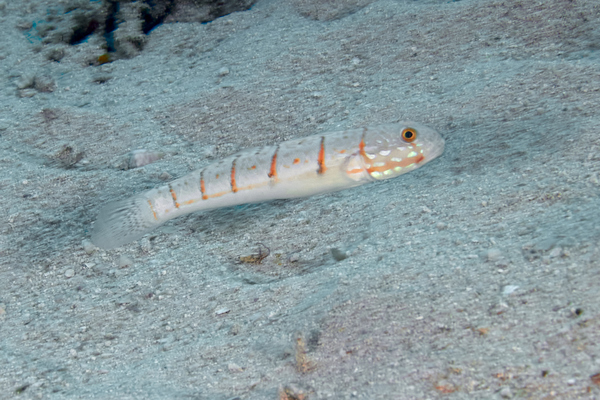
(296, 168)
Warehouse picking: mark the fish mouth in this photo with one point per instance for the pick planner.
(436, 149)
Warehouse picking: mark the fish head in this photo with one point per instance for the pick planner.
(395, 149)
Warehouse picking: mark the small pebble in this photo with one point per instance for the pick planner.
(555, 252)
(208, 151)
(101, 78)
(338, 255)
(27, 93)
(24, 25)
(25, 81)
(493, 254)
(56, 54)
(69, 273)
(576, 312)
(232, 367)
(293, 391)
(145, 245)
(88, 246)
(125, 261)
(509, 289)
(546, 244)
(165, 176)
(223, 71)
(506, 393)
(44, 84)
(222, 311)
(141, 157)
(235, 329)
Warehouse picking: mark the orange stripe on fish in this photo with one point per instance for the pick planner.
(233, 186)
(174, 196)
(321, 159)
(152, 208)
(273, 171)
(202, 186)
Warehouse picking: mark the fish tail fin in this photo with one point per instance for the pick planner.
(122, 222)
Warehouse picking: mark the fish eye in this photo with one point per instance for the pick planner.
(409, 134)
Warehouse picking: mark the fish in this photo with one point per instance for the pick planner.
(301, 167)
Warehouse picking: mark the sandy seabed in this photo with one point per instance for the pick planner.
(476, 276)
